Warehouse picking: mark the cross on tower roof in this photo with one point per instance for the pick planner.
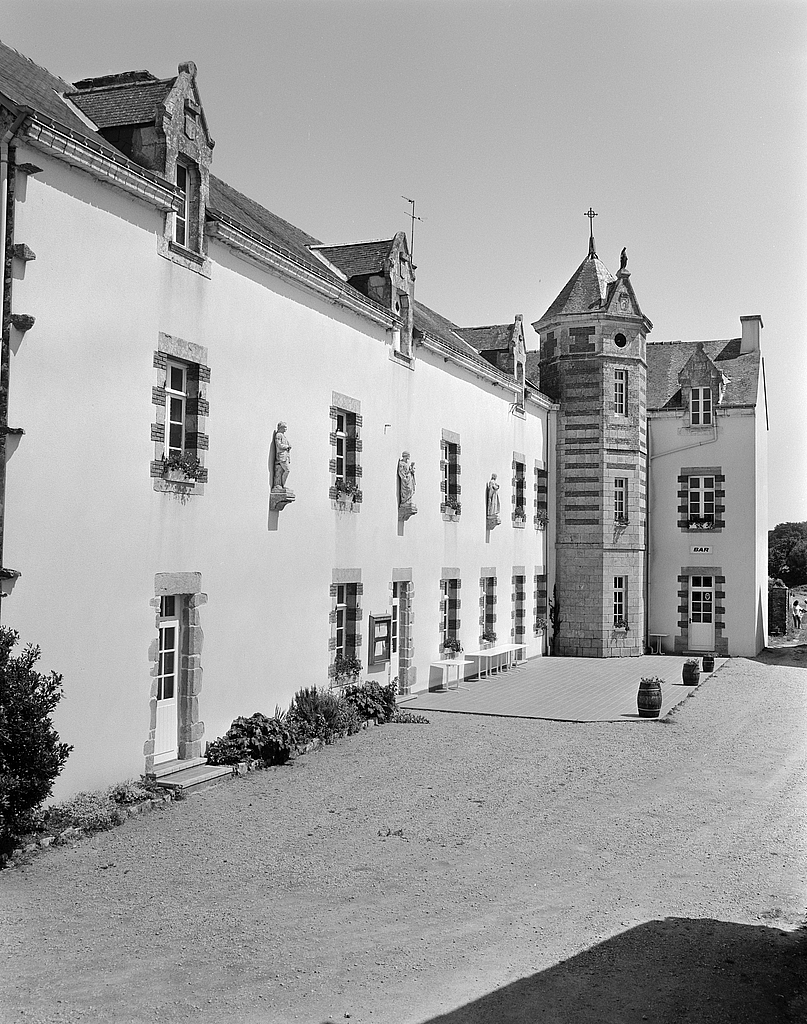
(592, 254)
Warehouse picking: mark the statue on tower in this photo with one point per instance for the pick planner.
(623, 259)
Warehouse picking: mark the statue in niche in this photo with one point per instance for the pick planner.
(280, 495)
(493, 502)
(406, 487)
(406, 479)
(282, 458)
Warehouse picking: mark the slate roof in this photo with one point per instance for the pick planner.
(28, 85)
(127, 103)
(429, 322)
(586, 289)
(358, 259)
(665, 360)
(496, 338)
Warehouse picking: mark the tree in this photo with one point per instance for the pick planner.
(787, 552)
(31, 754)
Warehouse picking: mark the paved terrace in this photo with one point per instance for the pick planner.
(564, 689)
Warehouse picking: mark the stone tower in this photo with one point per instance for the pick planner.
(593, 363)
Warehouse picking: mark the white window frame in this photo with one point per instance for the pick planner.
(620, 598)
(620, 392)
(181, 216)
(700, 407)
(172, 396)
(620, 497)
(701, 498)
(341, 442)
(341, 619)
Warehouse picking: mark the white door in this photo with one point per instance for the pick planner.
(165, 736)
(701, 613)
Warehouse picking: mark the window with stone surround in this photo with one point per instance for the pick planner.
(701, 498)
(179, 396)
(346, 446)
(519, 484)
(519, 610)
(620, 392)
(449, 610)
(620, 602)
(487, 607)
(345, 619)
(700, 407)
(621, 499)
(540, 623)
(541, 497)
(450, 505)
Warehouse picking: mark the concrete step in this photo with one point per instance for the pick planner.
(190, 778)
(169, 767)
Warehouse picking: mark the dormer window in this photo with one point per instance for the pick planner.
(181, 216)
(700, 407)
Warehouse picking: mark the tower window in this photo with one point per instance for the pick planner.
(621, 392)
(620, 340)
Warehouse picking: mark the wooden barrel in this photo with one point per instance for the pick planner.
(648, 700)
(690, 674)
(708, 663)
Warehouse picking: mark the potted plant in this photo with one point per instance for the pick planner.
(648, 699)
(346, 490)
(621, 520)
(452, 504)
(621, 625)
(521, 513)
(540, 624)
(691, 672)
(182, 466)
(541, 518)
(346, 669)
(700, 523)
(451, 647)
(708, 663)
(488, 638)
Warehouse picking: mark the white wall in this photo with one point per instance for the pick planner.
(89, 533)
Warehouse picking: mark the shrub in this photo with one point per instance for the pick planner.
(349, 716)
(130, 792)
(407, 718)
(31, 755)
(91, 812)
(372, 700)
(315, 714)
(258, 737)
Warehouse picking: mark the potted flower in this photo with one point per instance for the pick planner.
(182, 466)
(691, 672)
(520, 514)
(621, 520)
(488, 638)
(451, 647)
(541, 518)
(700, 523)
(621, 624)
(452, 504)
(648, 699)
(346, 490)
(540, 624)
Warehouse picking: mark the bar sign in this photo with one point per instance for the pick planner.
(701, 549)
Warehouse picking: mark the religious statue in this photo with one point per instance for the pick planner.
(623, 259)
(406, 479)
(280, 495)
(282, 459)
(406, 487)
(493, 501)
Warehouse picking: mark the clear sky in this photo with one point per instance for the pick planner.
(682, 123)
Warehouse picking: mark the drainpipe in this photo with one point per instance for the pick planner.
(7, 163)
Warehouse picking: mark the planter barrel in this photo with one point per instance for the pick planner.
(708, 663)
(691, 674)
(648, 700)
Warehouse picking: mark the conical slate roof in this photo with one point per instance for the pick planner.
(585, 290)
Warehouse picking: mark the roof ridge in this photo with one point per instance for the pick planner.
(363, 241)
(121, 85)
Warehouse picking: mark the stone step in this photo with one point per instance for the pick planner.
(198, 776)
(169, 767)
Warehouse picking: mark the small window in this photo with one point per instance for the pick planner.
(520, 491)
(345, 448)
(488, 607)
(176, 400)
(341, 439)
(620, 340)
(701, 502)
(181, 215)
(449, 610)
(346, 617)
(700, 407)
(621, 498)
(621, 392)
(620, 589)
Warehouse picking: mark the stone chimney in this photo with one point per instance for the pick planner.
(751, 326)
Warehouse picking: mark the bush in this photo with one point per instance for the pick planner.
(31, 755)
(372, 700)
(91, 812)
(349, 717)
(407, 718)
(130, 792)
(258, 738)
(315, 713)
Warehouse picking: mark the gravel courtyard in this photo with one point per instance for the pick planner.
(470, 870)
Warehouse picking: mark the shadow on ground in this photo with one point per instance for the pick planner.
(794, 655)
(677, 970)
